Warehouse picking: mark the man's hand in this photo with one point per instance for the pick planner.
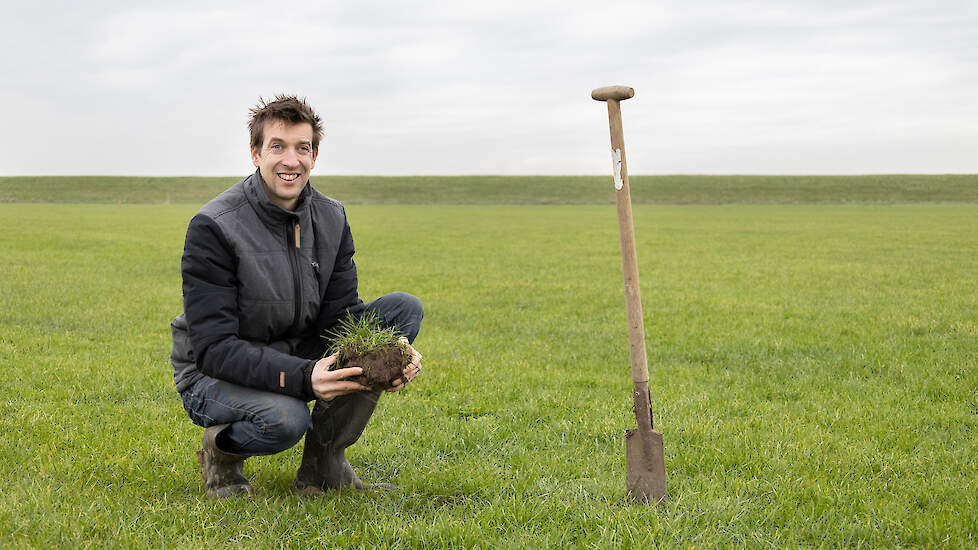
(410, 371)
(327, 384)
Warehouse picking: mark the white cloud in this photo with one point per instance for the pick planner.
(473, 87)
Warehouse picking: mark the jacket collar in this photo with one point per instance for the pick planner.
(268, 210)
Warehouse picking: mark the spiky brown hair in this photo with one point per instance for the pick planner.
(286, 108)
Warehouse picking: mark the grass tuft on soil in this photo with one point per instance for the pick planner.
(361, 341)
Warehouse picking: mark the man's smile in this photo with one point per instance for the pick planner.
(287, 176)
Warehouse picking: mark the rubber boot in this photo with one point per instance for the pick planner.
(336, 425)
(222, 472)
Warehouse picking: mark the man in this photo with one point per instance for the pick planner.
(267, 269)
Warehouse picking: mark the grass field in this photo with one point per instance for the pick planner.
(813, 372)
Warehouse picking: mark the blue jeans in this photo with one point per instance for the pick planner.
(263, 423)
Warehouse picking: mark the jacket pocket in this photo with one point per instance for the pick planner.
(182, 353)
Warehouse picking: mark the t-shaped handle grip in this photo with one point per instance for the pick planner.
(618, 93)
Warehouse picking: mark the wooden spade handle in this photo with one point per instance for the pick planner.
(629, 259)
(618, 93)
(626, 233)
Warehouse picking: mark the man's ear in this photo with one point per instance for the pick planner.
(255, 156)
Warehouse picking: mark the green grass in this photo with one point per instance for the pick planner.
(813, 372)
(877, 189)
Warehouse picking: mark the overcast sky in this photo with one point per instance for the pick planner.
(495, 87)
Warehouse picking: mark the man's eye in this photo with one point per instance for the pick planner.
(276, 146)
(305, 149)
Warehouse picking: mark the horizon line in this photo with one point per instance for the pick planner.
(676, 174)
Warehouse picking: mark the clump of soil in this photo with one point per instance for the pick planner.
(362, 342)
(380, 368)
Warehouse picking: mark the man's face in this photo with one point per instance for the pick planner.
(285, 160)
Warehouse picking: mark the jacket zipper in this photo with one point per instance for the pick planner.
(294, 264)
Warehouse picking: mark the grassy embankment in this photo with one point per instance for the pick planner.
(812, 366)
(565, 190)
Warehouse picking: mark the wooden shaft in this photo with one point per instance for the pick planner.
(629, 262)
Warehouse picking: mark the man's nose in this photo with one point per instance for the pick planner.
(290, 158)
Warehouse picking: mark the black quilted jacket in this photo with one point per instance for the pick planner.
(260, 285)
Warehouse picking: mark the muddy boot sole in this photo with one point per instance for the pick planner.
(308, 491)
(313, 491)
